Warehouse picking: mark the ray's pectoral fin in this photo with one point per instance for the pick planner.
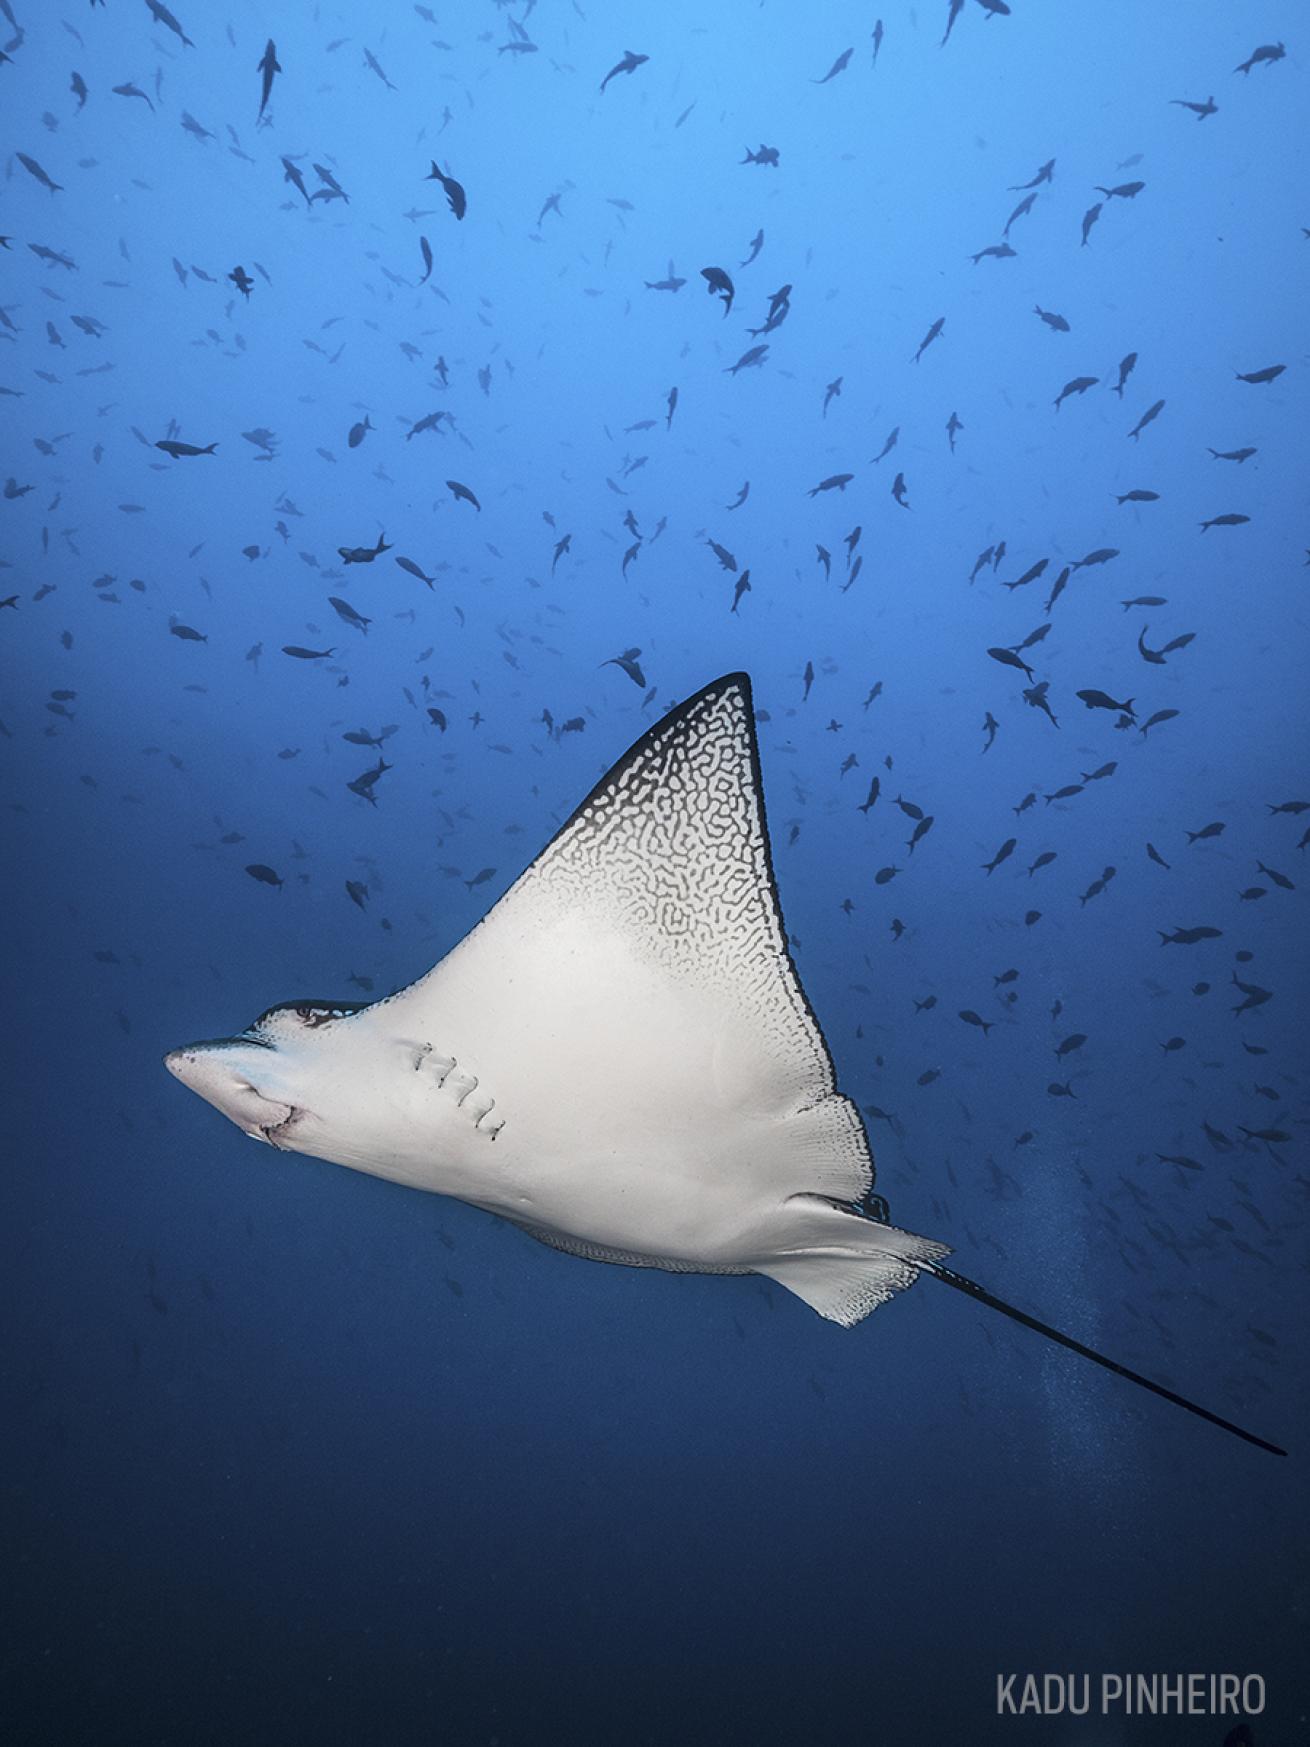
(661, 881)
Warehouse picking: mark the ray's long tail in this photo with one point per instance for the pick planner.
(972, 1290)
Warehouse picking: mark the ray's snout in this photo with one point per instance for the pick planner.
(215, 1073)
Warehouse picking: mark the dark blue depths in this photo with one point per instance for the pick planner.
(293, 1455)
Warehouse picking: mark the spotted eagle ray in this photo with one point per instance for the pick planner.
(619, 1058)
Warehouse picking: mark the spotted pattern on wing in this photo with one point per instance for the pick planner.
(671, 847)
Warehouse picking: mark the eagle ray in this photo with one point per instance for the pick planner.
(619, 1058)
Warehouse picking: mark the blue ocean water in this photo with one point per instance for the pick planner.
(295, 1455)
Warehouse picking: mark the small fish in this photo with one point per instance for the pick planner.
(1279, 879)
(462, 493)
(371, 63)
(971, 1018)
(1008, 658)
(188, 634)
(1151, 413)
(1025, 206)
(1098, 700)
(628, 64)
(363, 554)
(749, 359)
(178, 450)
(1056, 322)
(364, 784)
(1266, 54)
(455, 195)
(1188, 936)
(920, 831)
(929, 337)
(718, 284)
(955, 9)
(266, 876)
(345, 611)
(1002, 854)
(1269, 374)
(834, 482)
(34, 169)
(130, 90)
(163, 16)
(1079, 385)
(1035, 697)
(358, 432)
(1029, 575)
(1159, 717)
(306, 654)
(1233, 454)
(631, 666)
(268, 66)
(1126, 366)
(838, 66)
(1231, 519)
(1255, 996)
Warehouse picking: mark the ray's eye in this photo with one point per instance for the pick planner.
(313, 1015)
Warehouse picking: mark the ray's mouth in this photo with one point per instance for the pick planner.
(275, 1133)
